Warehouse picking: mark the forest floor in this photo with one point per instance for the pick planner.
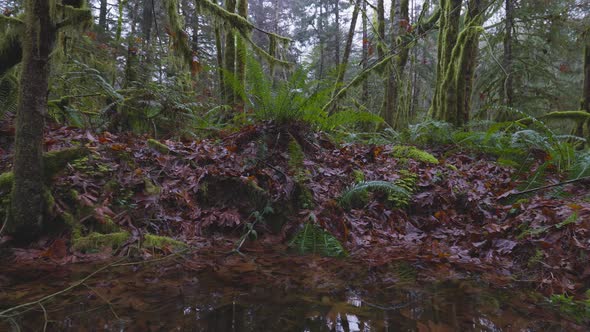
(463, 219)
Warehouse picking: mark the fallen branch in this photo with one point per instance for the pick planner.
(514, 193)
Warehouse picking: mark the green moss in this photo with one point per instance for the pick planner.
(55, 161)
(452, 167)
(75, 227)
(6, 180)
(107, 226)
(411, 152)
(96, 241)
(535, 259)
(358, 176)
(159, 242)
(154, 144)
(151, 188)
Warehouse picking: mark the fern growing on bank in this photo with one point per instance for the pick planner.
(312, 239)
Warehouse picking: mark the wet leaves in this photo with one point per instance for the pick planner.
(204, 192)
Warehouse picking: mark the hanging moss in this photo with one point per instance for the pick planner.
(244, 28)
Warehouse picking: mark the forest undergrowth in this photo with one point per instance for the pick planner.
(446, 209)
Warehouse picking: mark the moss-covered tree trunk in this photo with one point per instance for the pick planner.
(365, 61)
(391, 110)
(230, 56)
(27, 195)
(347, 50)
(467, 58)
(380, 28)
(241, 51)
(447, 38)
(102, 15)
(507, 89)
(457, 61)
(219, 57)
(583, 129)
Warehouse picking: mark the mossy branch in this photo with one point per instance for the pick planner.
(579, 116)
(7, 19)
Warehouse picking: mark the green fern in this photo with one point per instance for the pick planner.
(356, 194)
(8, 94)
(312, 239)
(581, 166)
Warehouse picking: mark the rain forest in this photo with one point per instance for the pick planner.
(294, 165)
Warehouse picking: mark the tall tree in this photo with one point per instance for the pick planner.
(508, 88)
(27, 195)
(400, 18)
(365, 60)
(42, 20)
(241, 51)
(457, 59)
(447, 38)
(229, 55)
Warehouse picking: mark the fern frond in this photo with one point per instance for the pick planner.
(312, 239)
(581, 167)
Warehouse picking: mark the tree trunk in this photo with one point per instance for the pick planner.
(102, 16)
(28, 201)
(468, 60)
(508, 88)
(241, 50)
(219, 55)
(365, 89)
(337, 32)
(347, 50)
(230, 56)
(447, 39)
(391, 106)
(583, 130)
(380, 28)
(146, 22)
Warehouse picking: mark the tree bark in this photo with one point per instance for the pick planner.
(241, 51)
(380, 28)
(508, 88)
(337, 32)
(230, 55)
(347, 50)
(583, 129)
(365, 88)
(28, 201)
(447, 39)
(102, 16)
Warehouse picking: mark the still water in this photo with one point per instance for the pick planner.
(181, 296)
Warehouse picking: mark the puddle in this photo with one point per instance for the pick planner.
(180, 297)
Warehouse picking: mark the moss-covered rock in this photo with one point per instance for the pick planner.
(96, 241)
(156, 145)
(411, 152)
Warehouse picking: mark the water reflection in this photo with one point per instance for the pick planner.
(210, 304)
